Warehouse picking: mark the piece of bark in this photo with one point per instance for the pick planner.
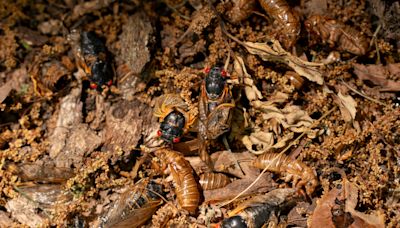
(125, 123)
(69, 116)
(5, 220)
(136, 42)
(71, 139)
(25, 212)
(79, 143)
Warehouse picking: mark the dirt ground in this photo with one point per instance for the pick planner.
(314, 130)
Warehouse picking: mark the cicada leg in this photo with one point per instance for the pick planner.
(203, 154)
(225, 141)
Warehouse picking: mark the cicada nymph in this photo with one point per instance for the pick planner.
(335, 33)
(297, 171)
(186, 189)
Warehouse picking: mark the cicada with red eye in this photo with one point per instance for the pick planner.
(215, 109)
(174, 117)
(95, 60)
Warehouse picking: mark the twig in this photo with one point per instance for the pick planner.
(373, 41)
(363, 95)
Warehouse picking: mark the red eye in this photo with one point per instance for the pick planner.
(176, 140)
(207, 70)
(109, 83)
(93, 86)
(224, 73)
(159, 133)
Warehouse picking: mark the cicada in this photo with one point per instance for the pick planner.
(215, 110)
(174, 117)
(300, 173)
(95, 60)
(186, 188)
(257, 211)
(135, 205)
(335, 33)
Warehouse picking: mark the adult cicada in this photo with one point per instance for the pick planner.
(174, 118)
(215, 110)
(94, 58)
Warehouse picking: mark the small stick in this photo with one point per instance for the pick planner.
(363, 95)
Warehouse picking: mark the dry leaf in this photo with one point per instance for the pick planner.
(15, 81)
(347, 106)
(283, 141)
(378, 75)
(322, 216)
(297, 120)
(224, 161)
(258, 142)
(251, 91)
(273, 51)
(291, 117)
(376, 220)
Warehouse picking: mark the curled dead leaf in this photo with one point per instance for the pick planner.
(260, 142)
(250, 89)
(330, 201)
(378, 75)
(375, 219)
(347, 106)
(291, 117)
(272, 51)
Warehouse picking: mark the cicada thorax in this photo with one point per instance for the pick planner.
(172, 127)
(95, 60)
(215, 83)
